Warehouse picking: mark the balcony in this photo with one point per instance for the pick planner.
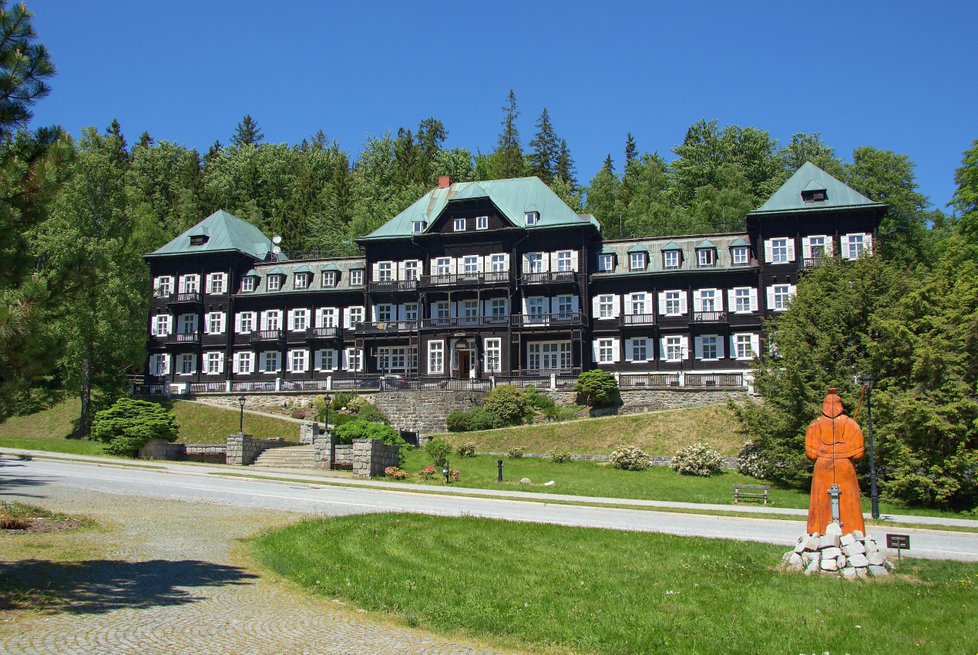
(386, 327)
(560, 319)
(709, 317)
(392, 286)
(556, 277)
(637, 319)
(464, 322)
(323, 333)
(494, 278)
(184, 338)
(815, 262)
(266, 336)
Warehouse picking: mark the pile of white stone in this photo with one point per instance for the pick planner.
(850, 556)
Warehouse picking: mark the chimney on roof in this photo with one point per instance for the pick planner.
(444, 181)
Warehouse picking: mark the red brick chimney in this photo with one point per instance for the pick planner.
(444, 181)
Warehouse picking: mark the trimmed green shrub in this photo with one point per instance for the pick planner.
(508, 403)
(630, 458)
(476, 418)
(438, 450)
(598, 388)
(370, 412)
(697, 459)
(362, 429)
(458, 421)
(128, 424)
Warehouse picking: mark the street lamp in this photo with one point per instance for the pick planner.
(874, 495)
(326, 398)
(241, 403)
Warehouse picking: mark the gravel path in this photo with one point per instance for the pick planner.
(172, 580)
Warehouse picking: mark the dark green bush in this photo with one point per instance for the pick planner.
(362, 429)
(128, 424)
(477, 418)
(508, 403)
(438, 450)
(598, 388)
(458, 421)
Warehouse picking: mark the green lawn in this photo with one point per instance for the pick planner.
(657, 433)
(49, 429)
(559, 589)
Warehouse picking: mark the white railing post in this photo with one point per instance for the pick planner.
(553, 381)
(278, 384)
(682, 378)
(329, 383)
(227, 386)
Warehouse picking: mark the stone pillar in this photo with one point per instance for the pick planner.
(242, 449)
(372, 456)
(324, 451)
(308, 432)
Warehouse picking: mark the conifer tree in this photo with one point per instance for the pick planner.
(545, 147)
(24, 67)
(247, 133)
(564, 168)
(602, 197)
(508, 157)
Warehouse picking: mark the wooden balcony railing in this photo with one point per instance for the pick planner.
(464, 321)
(386, 327)
(553, 277)
(709, 317)
(492, 278)
(546, 320)
(266, 335)
(390, 286)
(183, 337)
(638, 319)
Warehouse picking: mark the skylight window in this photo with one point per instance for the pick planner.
(532, 218)
(814, 195)
(198, 239)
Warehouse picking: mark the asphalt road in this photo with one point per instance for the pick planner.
(30, 477)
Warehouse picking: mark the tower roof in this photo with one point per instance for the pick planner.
(812, 189)
(219, 232)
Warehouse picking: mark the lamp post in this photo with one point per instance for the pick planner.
(241, 403)
(874, 496)
(327, 398)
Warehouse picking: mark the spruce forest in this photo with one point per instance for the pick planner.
(77, 212)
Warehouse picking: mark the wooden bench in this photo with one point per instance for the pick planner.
(751, 492)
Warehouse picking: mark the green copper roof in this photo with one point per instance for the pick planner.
(252, 273)
(705, 243)
(225, 233)
(639, 247)
(672, 245)
(513, 197)
(739, 241)
(329, 267)
(278, 270)
(812, 178)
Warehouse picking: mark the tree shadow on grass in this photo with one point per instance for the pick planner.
(99, 586)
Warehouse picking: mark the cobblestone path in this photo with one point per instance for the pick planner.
(171, 580)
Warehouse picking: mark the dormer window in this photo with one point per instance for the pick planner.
(198, 239)
(740, 255)
(301, 280)
(419, 227)
(482, 222)
(636, 261)
(606, 263)
(706, 257)
(247, 284)
(531, 218)
(814, 195)
(671, 259)
(356, 277)
(329, 278)
(274, 282)
(459, 225)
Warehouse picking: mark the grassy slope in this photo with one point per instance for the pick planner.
(551, 588)
(657, 433)
(48, 429)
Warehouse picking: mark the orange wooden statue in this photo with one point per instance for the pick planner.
(833, 441)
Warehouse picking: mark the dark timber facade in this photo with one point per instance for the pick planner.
(491, 280)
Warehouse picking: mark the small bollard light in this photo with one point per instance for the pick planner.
(447, 472)
(499, 477)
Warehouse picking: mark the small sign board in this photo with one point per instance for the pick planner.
(898, 541)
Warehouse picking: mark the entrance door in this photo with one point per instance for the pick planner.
(464, 363)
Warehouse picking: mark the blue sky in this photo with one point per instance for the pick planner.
(894, 75)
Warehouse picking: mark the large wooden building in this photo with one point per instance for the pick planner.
(491, 280)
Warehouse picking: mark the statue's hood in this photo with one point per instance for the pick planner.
(832, 405)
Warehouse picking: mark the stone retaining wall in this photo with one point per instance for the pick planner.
(244, 449)
(160, 449)
(372, 456)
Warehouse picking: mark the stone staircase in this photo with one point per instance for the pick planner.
(292, 457)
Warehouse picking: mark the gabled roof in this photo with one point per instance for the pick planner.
(225, 233)
(739, 242)
(812, 178)
(513, 197)
(705, 243)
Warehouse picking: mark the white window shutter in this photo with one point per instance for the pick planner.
(506, 261)
(166, 364)
(683, 307)
(755, 344)
(792, 290)
(662, 303)
(236, 363)
(575, 304)
(791, 249)
(152, 327)
(698, 347)
(731, 299)
(806, 247)
(207, 322)
(768, 251)
(292, 319)
(869, 243)
(697, 300)
(399, 271)
(662, 348)
(828, 246)
(220, 364)
(753, 299)
(615, 306)
(615, 350)
(718, 295)
(684, 346)
(237, 324)
(575, 261)
(264, 321)
(526, 262)
(770, 298)
(594, 351)
(221, 322)
(595, 307)
(720, 353)
(733, 346)
(629, 352)
(320, 312)
(844, 243)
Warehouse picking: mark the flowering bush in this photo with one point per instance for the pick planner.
(516, 452)
(454, 474)
(630, 458)
(395, 473)
(466, 450)
(428, 473)
(697, 459)
(750, 461)
(559, 456)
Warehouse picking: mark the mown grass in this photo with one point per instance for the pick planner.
(657, 433)
(51, 428)
(552, 588)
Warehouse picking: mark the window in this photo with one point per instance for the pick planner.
(536, 307)
(326, 360)
(247, 284)
(326, 317)
(606, 306)
(470, 265)
(741, 255)
(246, 322)
(564, 261)
(549, 355)
(273, 282)
(459, 224)
(329, 278)
(670, 258)
(272, 320)
(214, 363)
(298, 361)
(708, 300)
(710, 347)
(161, 325)
(470, 310)
(300, 320)
(497, 263)
(674, 305)
(781, 295)
(706, 257)
(531, 218)
(673, 350)
(565, 307)
(494, 355)
(186, 364)
(190, 284)
(742, 304)
(301, 281)
(353, 359)
(198, 240)
(216, 283)
(159, 365)
(817, 246)
(385, 272)
(436, 357)
(638, 304)
(857, 245)
(418, 227)
(244, 362)
(356, 315)
(383, 312)
(411, 311)
(743, 346)
(439, 309)
(270, 362)
(356, 277)
(779, 251)
(640, 349)
(411, 270)
(215, 323)
(534, 262)
(392, 359)
(814, 195)
(443, 266)
(163, 286)
(606, 351)
(482, 222)
(187, 324)
(606, 263)
(636, 261)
